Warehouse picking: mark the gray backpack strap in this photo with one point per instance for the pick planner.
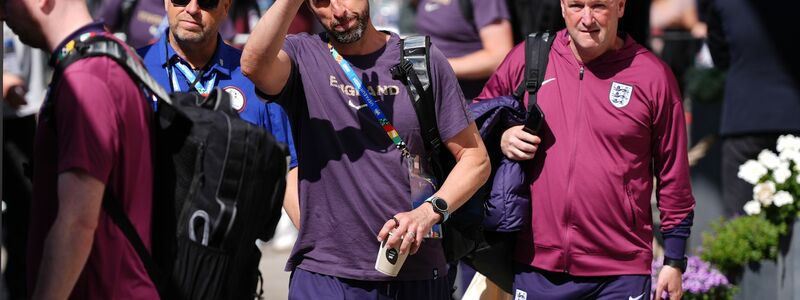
(124, 55)
(414, 71)
(415, 51)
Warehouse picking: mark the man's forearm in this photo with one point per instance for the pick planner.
(260, 54)
(69, 241)
(497, 40)
(65, 253)
(470, 172)
(476, 65)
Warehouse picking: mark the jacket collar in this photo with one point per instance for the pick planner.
(217, 63)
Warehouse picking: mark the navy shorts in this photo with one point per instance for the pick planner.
(309, 285)
(532, 283)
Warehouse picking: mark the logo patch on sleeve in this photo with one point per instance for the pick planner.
(520, 295)
(237, 98)
(620, 94)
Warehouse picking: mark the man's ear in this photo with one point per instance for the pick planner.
(621, 7)
(46, 6)
(226, 5)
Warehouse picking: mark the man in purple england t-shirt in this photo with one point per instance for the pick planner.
(93, 136)
(353, 181)
(474, 42)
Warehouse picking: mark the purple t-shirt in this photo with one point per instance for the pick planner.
(102, 127)
(456, 36)
(352, 178)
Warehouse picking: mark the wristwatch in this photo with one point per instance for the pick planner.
(679, 264)
(440, 207)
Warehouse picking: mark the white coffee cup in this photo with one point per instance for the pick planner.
(389, 260)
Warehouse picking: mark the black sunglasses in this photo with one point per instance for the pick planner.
(204, 4)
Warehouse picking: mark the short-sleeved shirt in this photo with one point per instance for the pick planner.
(353, 178)
(100, 124)
(224, 67)
(454, 34)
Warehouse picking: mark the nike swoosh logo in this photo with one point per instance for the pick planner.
(545, 82)
(629, 297)
(356, 107)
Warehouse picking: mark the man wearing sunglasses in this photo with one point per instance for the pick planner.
(192, 57)
(355, 183)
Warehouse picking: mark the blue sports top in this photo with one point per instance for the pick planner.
(222, 71)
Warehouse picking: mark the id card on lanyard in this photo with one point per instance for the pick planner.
(421, 183)
(193, 80)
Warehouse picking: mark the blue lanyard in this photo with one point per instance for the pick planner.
(371, 103)
(191, 78)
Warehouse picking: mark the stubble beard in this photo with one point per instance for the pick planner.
(351, 35)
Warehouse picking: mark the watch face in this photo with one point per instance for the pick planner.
(440, 204)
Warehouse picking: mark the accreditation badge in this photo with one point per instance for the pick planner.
(237, 98)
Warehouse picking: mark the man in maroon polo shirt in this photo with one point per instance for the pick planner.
(94, 137)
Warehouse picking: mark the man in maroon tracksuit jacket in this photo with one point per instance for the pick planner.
(614, 121)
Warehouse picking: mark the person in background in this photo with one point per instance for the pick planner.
(744, 41)
(475, 38)
(93, 138)
(614, 132)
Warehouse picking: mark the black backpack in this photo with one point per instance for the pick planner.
(462, 233)
(218, 186)
(464, 237)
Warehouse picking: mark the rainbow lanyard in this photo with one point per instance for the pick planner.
(382, 120)
(191, 78)
(63, 52)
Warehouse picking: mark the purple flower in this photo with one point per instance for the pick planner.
(699, 278)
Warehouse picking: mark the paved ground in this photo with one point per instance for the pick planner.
(276, 281)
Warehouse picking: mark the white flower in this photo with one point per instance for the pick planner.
(782, 173)
(782, 198)
(752, 207)
(788, 143)
(751, 171)
(763, 192)
(790, 155)
(769, 159)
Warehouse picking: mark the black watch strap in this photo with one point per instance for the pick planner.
(676, 263)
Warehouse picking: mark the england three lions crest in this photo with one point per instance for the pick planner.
(238, 100)
(620, 94)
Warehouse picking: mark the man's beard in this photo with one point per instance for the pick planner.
(352, 34)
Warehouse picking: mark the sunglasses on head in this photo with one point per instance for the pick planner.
(204, 4)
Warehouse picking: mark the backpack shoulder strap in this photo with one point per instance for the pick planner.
(537, 50)
(466, 10)
(106, 44)
(414, 70)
